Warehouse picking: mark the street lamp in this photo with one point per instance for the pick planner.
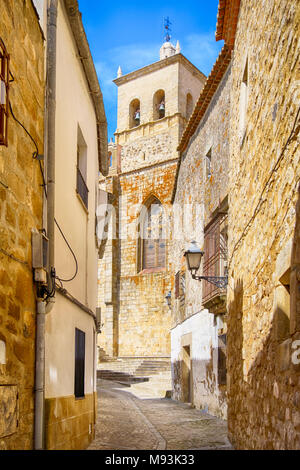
(193, 258)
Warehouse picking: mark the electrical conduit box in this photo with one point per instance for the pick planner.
(40, 256)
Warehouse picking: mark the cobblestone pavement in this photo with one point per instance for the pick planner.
(127, 421)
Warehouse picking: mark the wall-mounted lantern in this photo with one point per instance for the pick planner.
(193, 258)
(4, 89)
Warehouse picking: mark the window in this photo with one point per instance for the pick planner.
(159, 106)
(4, 89)
(208, 164)
(134, 113)
(189, 105)
(180, 288)
(244, 102)
(110, 159)
(215, 255)
(81, 186)
(152, 243)
(222, 369)
(79, 363)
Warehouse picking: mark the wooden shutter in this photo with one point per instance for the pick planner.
(149, 254)
(79, 363)
(161, 255)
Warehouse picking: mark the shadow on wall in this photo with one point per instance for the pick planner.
(264, 401)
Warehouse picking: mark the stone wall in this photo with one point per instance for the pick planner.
(263, 324)
(20, 212)
(198, 195)
(136, 317)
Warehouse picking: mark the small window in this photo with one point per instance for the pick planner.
(159, 106)
(134, 113)
(79, 363)
(110, 159)
(189, 105)
(81, 186)
(208, 164)
(4, 89)
(244, 102)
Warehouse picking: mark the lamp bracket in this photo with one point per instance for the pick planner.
(220, 282)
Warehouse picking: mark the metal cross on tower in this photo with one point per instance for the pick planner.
(167, 28)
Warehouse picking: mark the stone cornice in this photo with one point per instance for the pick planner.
(177, 58)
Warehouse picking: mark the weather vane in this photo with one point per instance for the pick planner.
(167, 28)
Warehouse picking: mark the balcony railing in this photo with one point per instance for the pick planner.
(82, 188)
(215, 248)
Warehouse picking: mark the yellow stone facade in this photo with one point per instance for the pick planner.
(20, 212)
(69, 422)
(263, 292)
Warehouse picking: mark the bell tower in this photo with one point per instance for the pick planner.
(154, 105)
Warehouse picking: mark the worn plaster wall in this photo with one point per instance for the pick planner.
(263, 324)
(20, 212)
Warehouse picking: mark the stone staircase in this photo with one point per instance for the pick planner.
(150, 376)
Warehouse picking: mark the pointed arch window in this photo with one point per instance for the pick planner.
(152, 240)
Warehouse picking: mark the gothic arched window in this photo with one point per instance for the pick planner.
(152, 239)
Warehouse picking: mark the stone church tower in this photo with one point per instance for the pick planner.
(154, 104)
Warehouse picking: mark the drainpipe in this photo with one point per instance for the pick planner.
(40, 376)
(42, 306)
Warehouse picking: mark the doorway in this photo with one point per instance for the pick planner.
(186, 374)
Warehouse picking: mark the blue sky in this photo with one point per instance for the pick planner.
(130, 33)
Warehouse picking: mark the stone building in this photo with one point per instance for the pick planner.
(154, 104)
(20, 212)
(75, 153)
(263, 225)
(200, 202)
(48, 271)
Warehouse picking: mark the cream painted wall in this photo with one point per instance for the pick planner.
(74, 108)
(60, 351)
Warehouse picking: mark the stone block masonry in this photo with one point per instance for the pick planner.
(263, 295)
(20, 212)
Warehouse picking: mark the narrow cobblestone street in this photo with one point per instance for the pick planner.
(129, 421)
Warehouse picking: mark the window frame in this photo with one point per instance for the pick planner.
(79, 370)
(142, 267)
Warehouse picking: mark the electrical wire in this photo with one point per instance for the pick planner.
(35, 155)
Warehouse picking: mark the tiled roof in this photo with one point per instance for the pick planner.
(206, 95)
(228, 13)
